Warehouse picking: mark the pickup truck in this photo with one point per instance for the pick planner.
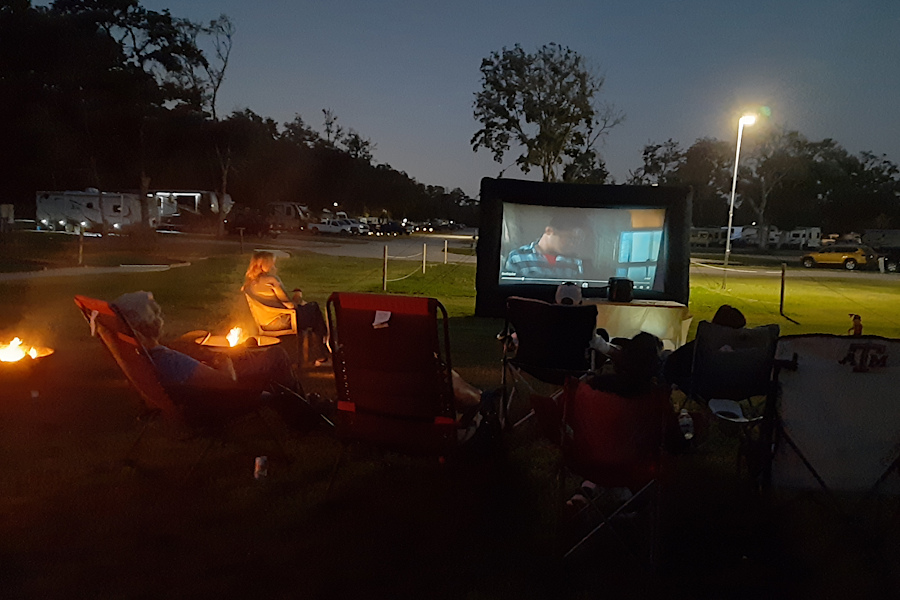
(338, 226)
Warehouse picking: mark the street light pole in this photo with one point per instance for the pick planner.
(745, 120)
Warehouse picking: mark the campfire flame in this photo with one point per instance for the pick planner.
(234, 336)
(14, 351)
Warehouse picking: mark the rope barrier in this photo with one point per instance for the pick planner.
(405, 276)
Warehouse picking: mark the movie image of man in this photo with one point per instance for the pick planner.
(554, 255)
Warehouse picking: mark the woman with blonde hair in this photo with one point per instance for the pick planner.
(262, 283)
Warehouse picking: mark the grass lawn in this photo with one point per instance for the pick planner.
(75, 522)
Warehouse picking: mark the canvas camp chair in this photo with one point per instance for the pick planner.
(732, 369)
(207, 415)
(391, 358)
(553, 343)
(271, 320)
(836, 427)
(615, 443)
(279, 321)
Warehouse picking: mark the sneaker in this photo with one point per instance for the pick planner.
(323, 362)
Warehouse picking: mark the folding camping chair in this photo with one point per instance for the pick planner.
(205, 415)
(553, 342)
(615, 442)
(730, 368)
(391, 359)
(835, 428)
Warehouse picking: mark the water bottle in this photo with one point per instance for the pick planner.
(686, 423)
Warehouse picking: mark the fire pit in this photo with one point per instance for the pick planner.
(16, 351)
(236, 340)
(18, 361)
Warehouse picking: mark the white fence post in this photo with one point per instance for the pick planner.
(424, 251)
(445, 252)
(384, 271)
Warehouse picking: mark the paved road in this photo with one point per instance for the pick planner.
(401, 247)
(411, 248)
(794, 271)
(79, 271)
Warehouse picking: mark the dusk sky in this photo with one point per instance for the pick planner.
(404, 74)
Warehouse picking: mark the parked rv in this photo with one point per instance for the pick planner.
(287, 216)
(801, 237)
(190, 210)
(708, 236)
(881, 238)
(90, 210)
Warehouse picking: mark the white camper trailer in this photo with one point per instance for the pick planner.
(287, 216)
(190, 209)
(89, 210)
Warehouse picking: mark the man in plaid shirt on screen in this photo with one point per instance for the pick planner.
(551, 256)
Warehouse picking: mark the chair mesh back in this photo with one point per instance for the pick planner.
(553, 338)
(397, 368)
(733, 363)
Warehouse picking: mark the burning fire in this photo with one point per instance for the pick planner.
(234, 336)
(15, 351)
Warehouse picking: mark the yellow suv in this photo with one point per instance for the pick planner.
(851, 257)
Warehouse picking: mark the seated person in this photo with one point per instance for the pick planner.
(633, 372)
(568, 294)
(554, 255)
(476, 407)
(178, 371)
(634, 367)
(261, 282)
(680, 364)
(632, 381)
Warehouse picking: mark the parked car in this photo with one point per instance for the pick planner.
(357, 227)
(338, 226)
(891, 259)
(849, 256)
(391, 228)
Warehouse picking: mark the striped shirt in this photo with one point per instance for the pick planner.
(530, 263)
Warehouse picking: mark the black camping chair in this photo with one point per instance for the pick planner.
(552, 342)
(731, 368)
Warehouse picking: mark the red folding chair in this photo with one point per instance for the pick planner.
(616, 442)
(391, 357)
(206, 414)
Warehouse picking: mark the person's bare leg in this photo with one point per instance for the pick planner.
(465, 394)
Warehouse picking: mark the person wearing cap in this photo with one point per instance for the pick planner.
(568, 293)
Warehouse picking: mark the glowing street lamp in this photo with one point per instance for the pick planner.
(745, 120)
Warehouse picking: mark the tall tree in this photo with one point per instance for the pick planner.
(662, 163)
(546, 103)
(154, 44)
(774, 160)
